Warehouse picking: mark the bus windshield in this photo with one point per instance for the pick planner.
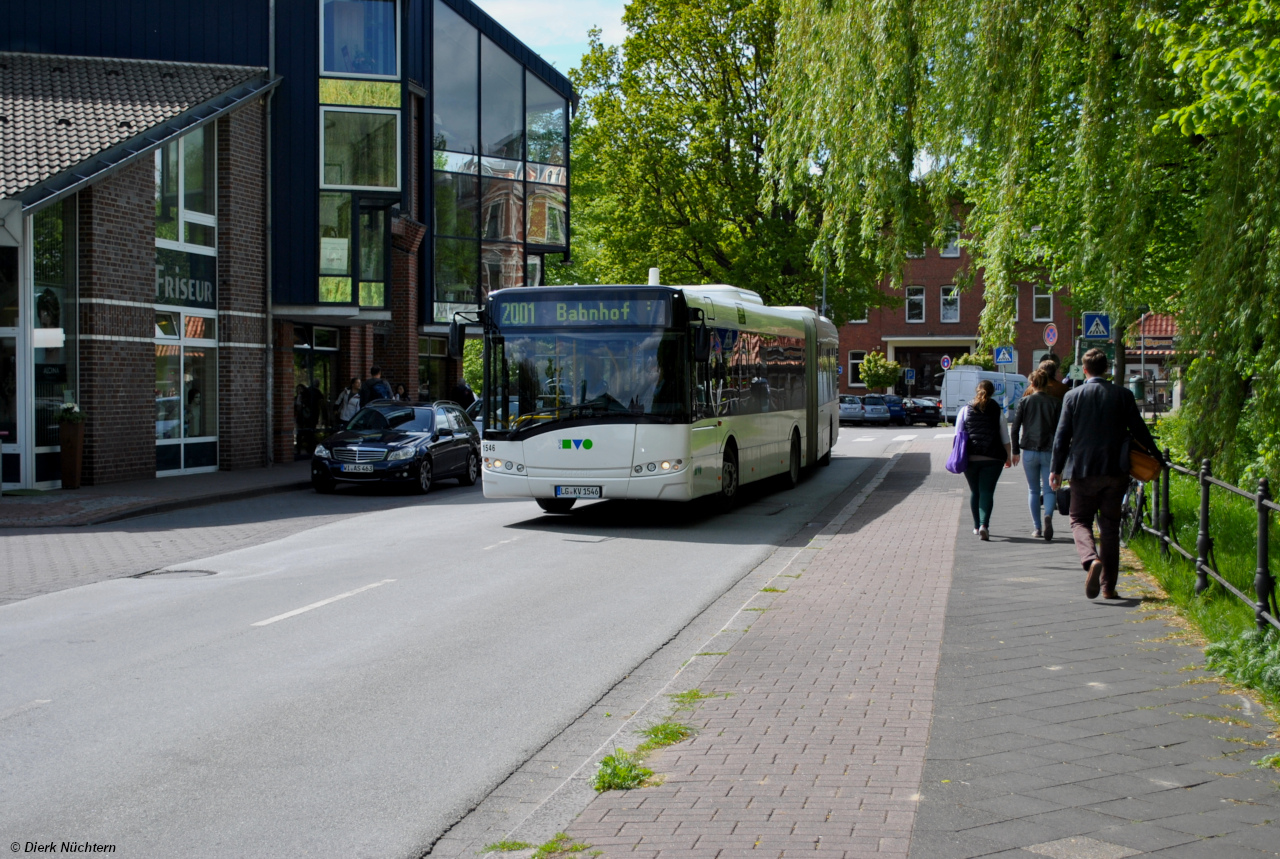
(541, 377)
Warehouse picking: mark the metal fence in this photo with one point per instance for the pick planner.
(1204, 559)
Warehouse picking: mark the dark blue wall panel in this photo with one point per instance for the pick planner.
(198, 31)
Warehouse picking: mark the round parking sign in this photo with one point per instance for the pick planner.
(946, 362)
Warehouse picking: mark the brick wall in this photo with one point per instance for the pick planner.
(117, 358)
(242, 285)
(282, 423)
(398, 352)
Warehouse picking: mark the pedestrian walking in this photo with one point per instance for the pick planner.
(1034, 422)
(375, 387)
(348, 402)
(989, 452)
(1099, 422)
(1051, 364)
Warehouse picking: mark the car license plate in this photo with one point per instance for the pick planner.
(577, 491)
(361, 469)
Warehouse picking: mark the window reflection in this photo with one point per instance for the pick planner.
(502, 210)
(457, 205)
(360, 37)
(53, 339)
(548, 208)
(360, 149)
(455, 60)
(456, 277)
(501, 111)
(545, 112)
(501, 266)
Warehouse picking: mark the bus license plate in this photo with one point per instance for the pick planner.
(577, 491)
(362, 469)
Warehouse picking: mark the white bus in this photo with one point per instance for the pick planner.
(651, 392)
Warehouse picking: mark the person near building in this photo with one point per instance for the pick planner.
(1052, 366)
(375, 387)
(1099, 421)
(1034, 422)
(989, 452)
(348, 402)
(463, 395)
(402, 393)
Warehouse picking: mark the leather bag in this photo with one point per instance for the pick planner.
(1142, 465)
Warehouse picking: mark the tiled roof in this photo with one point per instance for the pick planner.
(1159, 325)
(57, 112)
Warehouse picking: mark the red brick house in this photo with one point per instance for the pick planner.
(935, 320)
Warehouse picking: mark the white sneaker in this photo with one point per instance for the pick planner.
(983, 533)
(975, 531)
(1037, 533)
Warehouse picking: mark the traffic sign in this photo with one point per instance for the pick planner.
(1076, 372)
(839, 369)
(1050, 335)
(1097, 326)
(946, 362)
(910, 376)
(1004, 355)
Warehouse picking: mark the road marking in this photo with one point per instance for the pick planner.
(866, 438)
(903, 437)
(22, 708)
(298, 611)
(945, 435)
(499, 543)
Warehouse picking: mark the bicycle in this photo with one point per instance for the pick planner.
(1133, 511)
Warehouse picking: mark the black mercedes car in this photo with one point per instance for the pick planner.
(405, 443)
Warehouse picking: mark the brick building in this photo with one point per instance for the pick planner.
(410, 156)
(933, 319)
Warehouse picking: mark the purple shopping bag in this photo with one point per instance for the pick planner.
(959, 459)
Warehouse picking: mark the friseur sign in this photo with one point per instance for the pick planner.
(186, 279)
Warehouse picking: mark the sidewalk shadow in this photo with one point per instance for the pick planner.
(906, 477)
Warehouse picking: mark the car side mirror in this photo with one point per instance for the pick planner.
(444, 432)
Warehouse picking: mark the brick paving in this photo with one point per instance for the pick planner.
(819, 744)
(852, 721)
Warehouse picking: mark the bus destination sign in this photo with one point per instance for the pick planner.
(594, 312)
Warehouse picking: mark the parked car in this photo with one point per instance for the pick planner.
(850, 409)
(875, 410)
(399, 443)
(897, 414)
(922, 411)
(475, 414)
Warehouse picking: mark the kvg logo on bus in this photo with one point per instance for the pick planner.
(575, 443)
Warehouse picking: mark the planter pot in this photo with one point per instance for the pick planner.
(71, 437)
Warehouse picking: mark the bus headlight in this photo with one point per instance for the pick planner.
(497, 463)
(653, 466)
(666, 466)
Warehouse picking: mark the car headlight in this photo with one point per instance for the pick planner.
(402, 453)
(321, 452)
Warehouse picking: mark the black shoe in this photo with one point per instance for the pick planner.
(1048, 530)
(1093, 583)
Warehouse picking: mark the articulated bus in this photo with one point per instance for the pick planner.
(650, 392)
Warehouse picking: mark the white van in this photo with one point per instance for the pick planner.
(959, 383)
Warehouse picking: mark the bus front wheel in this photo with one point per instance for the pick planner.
(729, 476)
(556, 505)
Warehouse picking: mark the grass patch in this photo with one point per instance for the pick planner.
(1272, 761)
(1237, 649)
(621, 770)
(773, 590)
(755, 609)
(504, 846)
(663, 734)
(713, 653)
(689, 700)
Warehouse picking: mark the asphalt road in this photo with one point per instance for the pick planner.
(353, 688)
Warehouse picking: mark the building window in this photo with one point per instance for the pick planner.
(915, 304)
(546, 113)
(55, 332)
(186, 387)
(858, 314)
(457, 277)
(547, 207)
(432, 369)
(950, 304)
(1042, 303)
(855, 369)
(501, 103)
(186, 192)
(951, 249)
(360, 149)
(359, 38)
(456, 64)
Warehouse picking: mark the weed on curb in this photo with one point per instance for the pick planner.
(1272, 761)
(687, 700)
(621, 771)
(560, 845)
(773, 590)
(505, 846)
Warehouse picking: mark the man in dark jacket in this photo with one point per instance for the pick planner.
(1098, 420)
(375, 387)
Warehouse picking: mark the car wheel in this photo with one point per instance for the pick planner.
(556, 505)
(472, 474)
(793, 469)
(425, 473)
(729, 476)
(323, 485)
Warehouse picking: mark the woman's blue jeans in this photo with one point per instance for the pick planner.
(1036, 465)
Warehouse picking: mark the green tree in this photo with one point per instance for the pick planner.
(878, 371)
(985, 360)
(668, 166)
(473, 364)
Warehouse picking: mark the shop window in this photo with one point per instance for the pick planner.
(360, 149)
(457, 278)
(915, 304)
(950, 311)
(186, 192)
(456, 89)
(1041, 303)
(545, 114)
(501, 103)
(54, 356)
(186, 391)
(359, 37)
(855, 369)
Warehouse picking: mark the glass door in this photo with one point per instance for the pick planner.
(315, 372)
(10, 457)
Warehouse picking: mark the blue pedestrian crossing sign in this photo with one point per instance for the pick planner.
(910, 376)
(1097, 326)
(1004, 355)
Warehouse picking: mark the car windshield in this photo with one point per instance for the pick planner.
(849, 401)
(379, 420)
(874, 401)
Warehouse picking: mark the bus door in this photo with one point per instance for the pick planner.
(813, 369)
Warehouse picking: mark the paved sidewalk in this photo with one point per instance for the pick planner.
(91, 505)
(1032, 723)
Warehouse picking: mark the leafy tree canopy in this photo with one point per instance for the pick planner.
(878, 371)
